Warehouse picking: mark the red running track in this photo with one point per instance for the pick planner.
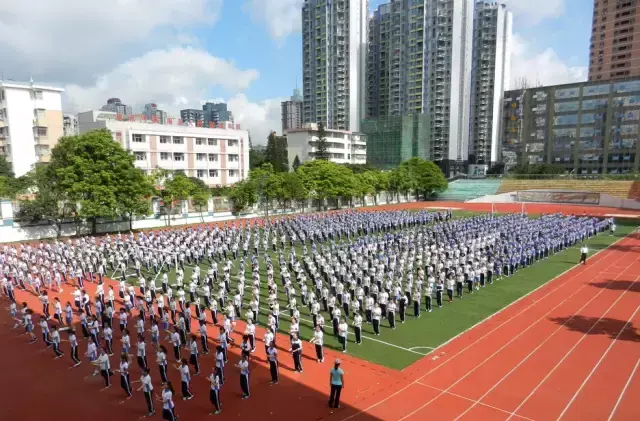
(570, 351)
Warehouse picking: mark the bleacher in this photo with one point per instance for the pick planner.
(620, 189)
(634, 191)
(461, 190)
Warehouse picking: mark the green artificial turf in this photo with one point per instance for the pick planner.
(431, 329)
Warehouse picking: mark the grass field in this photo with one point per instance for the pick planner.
(417, 337)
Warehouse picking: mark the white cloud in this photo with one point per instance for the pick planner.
(171, 77)
(281, 17)
(531, 12)
(260, 118)
(67, 40)
(541, 67)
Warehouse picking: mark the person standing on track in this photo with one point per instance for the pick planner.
(214, 393)
(272, 357)
(584, 250)
(243, 365)
(168, 407)
(125, 380)
(317, 340)
(185, 378)
(147, 387)
(296, 352)
(336, 383)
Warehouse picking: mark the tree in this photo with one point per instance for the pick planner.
(95, 172)
(176, 189)
(381, 183)
(242, 196)
(322, 149)
(296, 163)
(256, 158)
(267, 185)
(497, 169)
(400, 181)
(365, 184)
(5, 167)
(426, 177)
(200, 200)
(326, 180)
(277, 152)
(135, 195)
(293, 190)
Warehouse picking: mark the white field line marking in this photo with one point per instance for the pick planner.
(535, 389)
(475, 401)
(421, 347)
(503, 347)
(485, 335)
(310, 322)
(624, 390)
(525, 359)
(575, 395)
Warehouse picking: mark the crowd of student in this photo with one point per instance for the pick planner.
(354, 268)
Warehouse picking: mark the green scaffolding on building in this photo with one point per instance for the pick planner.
(394, 139)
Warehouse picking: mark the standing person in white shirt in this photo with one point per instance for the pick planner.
(296, 352)
(185, 379)
(105, 368)
(343, 330)
(168, 407)
(147, 387)
(214, 393)
(584, 250)
(243, 365)
(317, 340)
(193, 354)
(272, 357)
(357, 327)
(376, 316)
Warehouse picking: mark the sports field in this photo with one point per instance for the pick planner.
(556, 341)
(417, 337)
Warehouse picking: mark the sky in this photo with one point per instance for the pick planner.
(181, 53)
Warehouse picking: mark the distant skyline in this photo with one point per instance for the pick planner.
(247, 53)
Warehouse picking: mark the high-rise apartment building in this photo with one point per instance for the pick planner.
(292, 112)
(151, 112)
(192, 115)
(334, 47)
(116, 106)
(489, 79)
(69, 125)
(614, 53)
(419, 62)
(30, 123)
(216, 113)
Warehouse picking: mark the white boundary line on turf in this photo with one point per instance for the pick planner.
(547, 338)
(475, 401)
(624, 390)
(488, 333)
(535, 389)
(575, 395)
(509, 343)
(310, 322)
(422, 347)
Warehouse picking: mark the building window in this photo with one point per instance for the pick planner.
(200, 173)
(212, 142)
(213, 173)
(232, 142)
(164, 156)
(199, 141)
(233, 158)
(140, 156)
(138, 138)
(213, 157)
(164, 139)
(178, 140)
(201, 157)
(40, 131)
(36, 94)
(39, 114)
(233, 173)
(178, 156)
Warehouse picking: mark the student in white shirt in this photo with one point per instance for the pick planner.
(55, 341)
(103, 364)
(296, 352)
(147, 387)
(141, 353)
(125, 380)
(272, 357)
(168, 407)
(343, 330)
(193, 354)
(317, 340)
(220, 360)
(185, 379)
(214, 394)
(584, 250)
(243, 365)
(161, 360)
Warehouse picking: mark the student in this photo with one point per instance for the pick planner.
(142, 353)
(243, 365)
(336, 383)
(220, 360)
(214, 393)
(107, 333)
(185, 378)
(193, 354)
(147, 388)
(377, 315)
(126, 341)
(55, 341)
(73, 343)
(296, 352)
(583, 254)
(343, 331)
(357, 327)
(168, 407)
(272, 357)
(176, 342)
(105, 368)
(125, 380)
(317, 340)
(161, 360)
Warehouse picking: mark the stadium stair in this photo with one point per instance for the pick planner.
(634, 192)
(462, 190)
(619, 189)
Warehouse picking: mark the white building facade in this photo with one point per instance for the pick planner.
(334, 52)
(490, 79)
(31, 123)
(217, 156)
(344, 147)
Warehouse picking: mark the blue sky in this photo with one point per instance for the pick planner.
(179, 53)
